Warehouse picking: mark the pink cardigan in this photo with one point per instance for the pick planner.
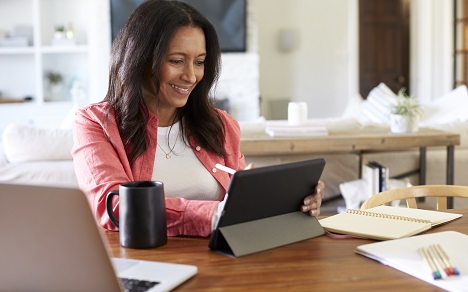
(101, 165)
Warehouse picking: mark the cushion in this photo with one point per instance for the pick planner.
(3, 159)
(353, 107)
(449, 108)
(377, 107)
(28, 143)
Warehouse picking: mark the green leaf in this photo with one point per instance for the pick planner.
(406, 105)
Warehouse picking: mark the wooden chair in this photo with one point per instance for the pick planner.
(411, 193)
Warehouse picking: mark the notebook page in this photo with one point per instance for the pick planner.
(373, 227)
(402, 254)
(436, 217)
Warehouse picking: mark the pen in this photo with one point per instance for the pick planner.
(225, 168)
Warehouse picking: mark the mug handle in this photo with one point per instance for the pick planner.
(110, 212)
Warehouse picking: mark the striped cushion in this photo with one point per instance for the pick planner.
(377, 107)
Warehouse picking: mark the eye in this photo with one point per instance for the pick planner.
(200, 63)
(176, 61)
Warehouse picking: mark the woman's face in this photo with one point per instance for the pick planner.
(182, 68)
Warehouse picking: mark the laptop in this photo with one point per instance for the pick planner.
(49, 241)
(263, 205)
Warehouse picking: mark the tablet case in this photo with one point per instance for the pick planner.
(263, 208)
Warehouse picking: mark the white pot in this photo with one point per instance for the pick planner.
(403, 124)
(56, 92)
(59, 35)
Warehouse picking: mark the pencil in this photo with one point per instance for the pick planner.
(444, 269)
(446, 265)
(439, 265)
(435, 273)
(225, 168)
(453, 269)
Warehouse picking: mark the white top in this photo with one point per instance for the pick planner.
(182, 174)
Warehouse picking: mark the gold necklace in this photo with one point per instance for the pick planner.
(168, 154)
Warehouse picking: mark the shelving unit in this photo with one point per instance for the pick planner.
(23, 68)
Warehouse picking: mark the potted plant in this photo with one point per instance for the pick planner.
(405, 114)
(59, 32)
(55, 85)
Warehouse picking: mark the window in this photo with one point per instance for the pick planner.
(461, 42)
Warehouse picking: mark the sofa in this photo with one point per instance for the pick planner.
(35, 155)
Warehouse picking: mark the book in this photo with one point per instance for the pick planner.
(403, 254)
(385, 222)
(370, 174)
(377, 177)
(295, 131)
(382, 176)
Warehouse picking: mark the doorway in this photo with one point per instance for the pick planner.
(383, 44)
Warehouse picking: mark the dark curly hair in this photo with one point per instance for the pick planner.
(140, 47)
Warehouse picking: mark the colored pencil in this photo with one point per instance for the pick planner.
(435, 273)
(454, 270)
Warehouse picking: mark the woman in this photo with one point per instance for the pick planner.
(157, 122)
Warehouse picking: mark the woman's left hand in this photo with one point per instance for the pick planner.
(313, 202)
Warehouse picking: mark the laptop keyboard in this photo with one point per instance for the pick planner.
(133, 285)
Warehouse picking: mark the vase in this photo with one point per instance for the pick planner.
(56, 92)
(403, 124)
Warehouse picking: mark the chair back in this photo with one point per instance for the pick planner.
(410, 194)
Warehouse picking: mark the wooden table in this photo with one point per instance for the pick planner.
(359, 141)
(317, 264)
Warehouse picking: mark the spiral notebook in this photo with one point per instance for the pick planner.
(385, 222)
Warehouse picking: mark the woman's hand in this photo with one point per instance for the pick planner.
(313, 202)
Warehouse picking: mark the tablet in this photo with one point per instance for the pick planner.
(266, 192)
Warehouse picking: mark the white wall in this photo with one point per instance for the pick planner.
(323, 69)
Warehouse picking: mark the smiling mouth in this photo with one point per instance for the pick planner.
(180, 89)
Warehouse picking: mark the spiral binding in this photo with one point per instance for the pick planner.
(387, 216)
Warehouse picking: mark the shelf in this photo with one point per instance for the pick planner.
(11, 100)
(64, 49)
(16, 50)
(23, 69)
(45, 50)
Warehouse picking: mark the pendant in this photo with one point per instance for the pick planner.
(168, 156)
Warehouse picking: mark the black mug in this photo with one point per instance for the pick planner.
(142, 214)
